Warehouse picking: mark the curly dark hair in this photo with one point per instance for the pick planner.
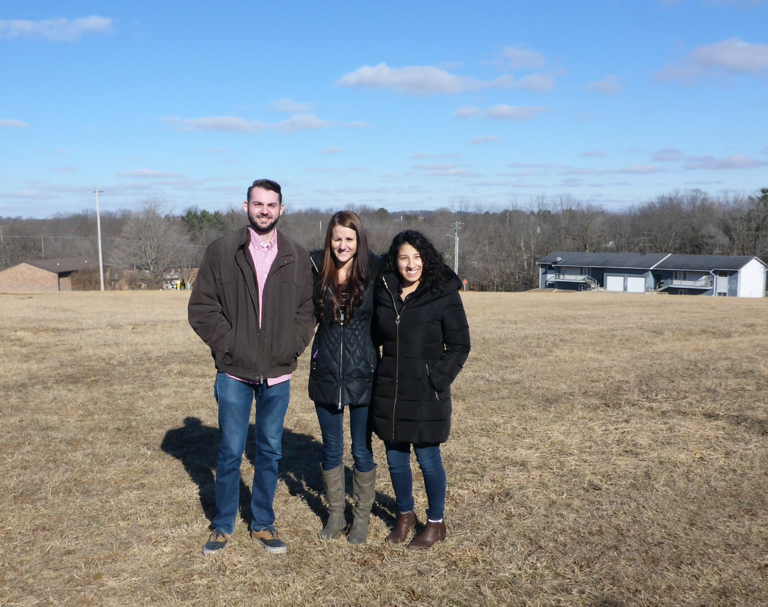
(433, 270)
(330, 290)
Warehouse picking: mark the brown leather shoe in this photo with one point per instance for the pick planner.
(432, 533)
(402, 528)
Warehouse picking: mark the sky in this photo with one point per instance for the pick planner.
(401, 105)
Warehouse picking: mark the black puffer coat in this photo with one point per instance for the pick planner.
(343, 355)
(424, 348)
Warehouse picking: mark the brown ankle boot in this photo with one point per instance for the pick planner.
(402, 528)
(432, 533)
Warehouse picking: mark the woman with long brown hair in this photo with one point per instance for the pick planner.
(342, 367)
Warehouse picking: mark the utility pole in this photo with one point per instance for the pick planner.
(98, 234)
(455, 237)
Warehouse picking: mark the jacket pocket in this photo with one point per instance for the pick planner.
(430, 387)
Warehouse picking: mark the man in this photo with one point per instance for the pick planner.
(252, 305)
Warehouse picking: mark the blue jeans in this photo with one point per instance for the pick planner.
(431, 464)
(331, 420)
(235, 399)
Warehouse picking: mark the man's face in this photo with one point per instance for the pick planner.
(263, 209)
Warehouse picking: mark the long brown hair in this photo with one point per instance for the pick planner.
(359, 273)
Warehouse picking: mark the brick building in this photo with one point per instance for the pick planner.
(44, 275)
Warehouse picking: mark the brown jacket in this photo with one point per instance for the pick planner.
(223, 308)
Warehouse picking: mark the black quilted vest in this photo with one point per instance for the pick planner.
(343, 356)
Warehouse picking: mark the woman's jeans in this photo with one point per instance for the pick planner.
(235, 399)
(331, 420)
(431, 464)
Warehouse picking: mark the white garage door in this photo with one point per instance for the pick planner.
(636, 284)
(614, 283)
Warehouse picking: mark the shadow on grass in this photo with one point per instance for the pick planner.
(196, 447)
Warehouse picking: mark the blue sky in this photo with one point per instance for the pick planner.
(402, 105)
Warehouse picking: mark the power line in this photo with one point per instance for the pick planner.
(112, 238)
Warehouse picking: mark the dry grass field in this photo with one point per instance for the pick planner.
(608, 450)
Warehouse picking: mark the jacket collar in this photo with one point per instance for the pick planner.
(423, 294)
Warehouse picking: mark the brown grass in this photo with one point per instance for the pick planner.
(607, 450)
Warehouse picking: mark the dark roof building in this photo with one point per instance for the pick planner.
(604, 260)
(717, 275)
(44, 275)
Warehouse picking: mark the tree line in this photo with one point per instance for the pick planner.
(498, 247)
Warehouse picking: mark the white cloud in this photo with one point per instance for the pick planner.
(232, 124)
(609, 85)
(331, 151)
(500, 112)
(639, 169)
(483, 139)
(567, 170)
(537, 165)
(13, 124)
(467, 111)
(413, 80)
(528, 184)
(517, 58)
(516, 113)
(667, 155)
(150, 174)
(59, 29)
(350, 169)
(227, 124)
(585, 116)
(420, 80)
(578, 171)
(301, 122)
(593, 154)
(733, 56)
(444, 170)
(484, 184)
(420, 155)
(289, 106)
(573, 182)
(710, 163)
(542, 83)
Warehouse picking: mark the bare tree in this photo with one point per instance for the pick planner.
(152, 242)
(745, 225)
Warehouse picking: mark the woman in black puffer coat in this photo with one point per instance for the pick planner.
(420, 324)
(342, 367)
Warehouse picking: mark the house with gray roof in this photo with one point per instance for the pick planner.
(44, 275)
(714, 275)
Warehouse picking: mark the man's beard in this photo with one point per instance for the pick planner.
(261, 231)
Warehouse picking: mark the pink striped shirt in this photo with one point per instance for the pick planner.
(263, 256)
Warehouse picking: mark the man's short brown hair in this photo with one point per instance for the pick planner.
(265, 184)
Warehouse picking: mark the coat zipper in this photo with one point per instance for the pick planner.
(341, 356)
(397, 355)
